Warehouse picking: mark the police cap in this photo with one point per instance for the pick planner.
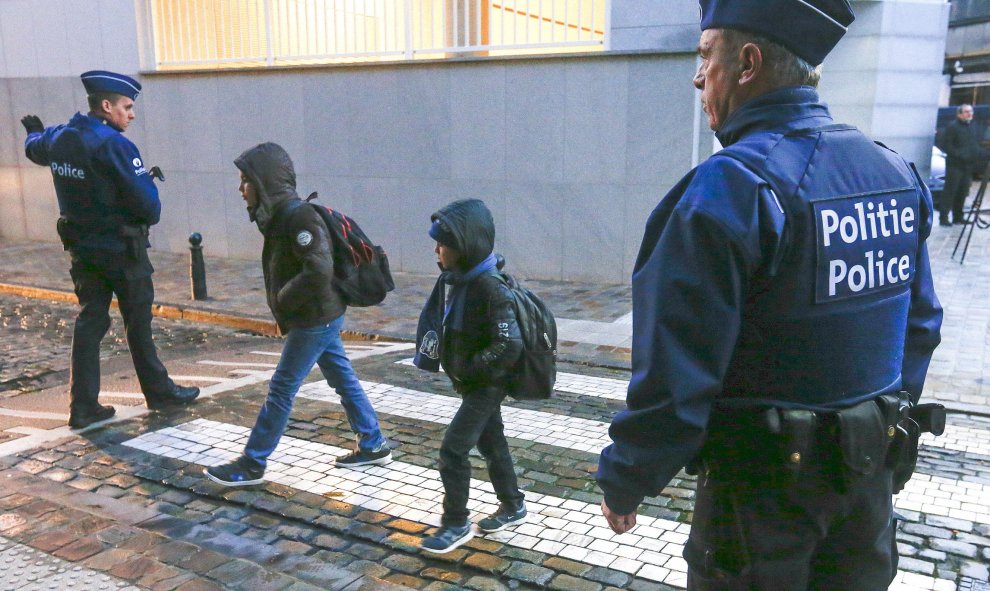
(102, 81)
(809, 28)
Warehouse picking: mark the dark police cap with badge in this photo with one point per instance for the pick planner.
(809, 28)
(96, 81)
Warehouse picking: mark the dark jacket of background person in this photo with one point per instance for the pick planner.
(961, 145)
(489, 343)
(297, 259)
(731, 297)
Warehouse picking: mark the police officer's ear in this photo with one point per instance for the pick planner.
(750, 63)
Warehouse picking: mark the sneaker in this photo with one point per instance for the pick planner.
(234, 474)
(361, 457)
(506, 516)
(446, 538)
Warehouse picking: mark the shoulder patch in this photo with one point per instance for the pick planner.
(304, 238)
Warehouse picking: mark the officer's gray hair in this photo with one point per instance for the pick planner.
(960, 108)
(781, 65)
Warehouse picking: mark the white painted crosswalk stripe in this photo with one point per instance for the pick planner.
(573, 383)
(530, 425)
(564, 527)
(937, 496)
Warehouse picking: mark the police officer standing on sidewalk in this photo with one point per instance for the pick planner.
(107, 200)
(783, 322)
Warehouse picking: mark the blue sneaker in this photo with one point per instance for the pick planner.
(506, 516)
(235, 474)
(447, 538)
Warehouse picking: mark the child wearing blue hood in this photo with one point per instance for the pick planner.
(473, 333)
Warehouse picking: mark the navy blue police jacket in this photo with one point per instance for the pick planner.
(788, 270)
(100, 180)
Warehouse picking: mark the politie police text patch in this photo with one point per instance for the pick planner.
(304, 238)
(866, 243)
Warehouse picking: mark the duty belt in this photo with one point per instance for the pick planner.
(770, 441)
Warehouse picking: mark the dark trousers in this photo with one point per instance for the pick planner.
(772, 533)
(97, 277)
(478, 421)
(958, 180)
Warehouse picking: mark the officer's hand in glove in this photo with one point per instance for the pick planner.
(32, 123)
(156, 173)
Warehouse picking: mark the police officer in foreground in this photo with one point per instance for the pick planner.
(107, 200)
(783, 322)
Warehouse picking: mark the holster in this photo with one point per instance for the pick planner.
(863, 435)
(910, 421)
(135, 237)
(66, 233)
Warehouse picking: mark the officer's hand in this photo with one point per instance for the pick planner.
(156, 173)
(32, 123)
(620, 524)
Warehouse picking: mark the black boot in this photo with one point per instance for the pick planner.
(80, 419)
(181, 396)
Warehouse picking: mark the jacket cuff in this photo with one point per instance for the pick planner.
(622, 504)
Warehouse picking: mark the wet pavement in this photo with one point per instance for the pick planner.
(126, 505)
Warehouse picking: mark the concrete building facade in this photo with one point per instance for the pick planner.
(570, 151)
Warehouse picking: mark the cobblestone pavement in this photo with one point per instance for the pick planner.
(34, 350)
(127, 504)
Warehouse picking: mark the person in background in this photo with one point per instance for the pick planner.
(962, 150)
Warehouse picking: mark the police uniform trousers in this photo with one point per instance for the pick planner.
(763, 527)
(97, 276)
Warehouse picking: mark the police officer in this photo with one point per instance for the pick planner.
(782, 299)
(107, 200)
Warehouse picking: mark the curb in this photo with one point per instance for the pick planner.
(250, 324)
(170, 311)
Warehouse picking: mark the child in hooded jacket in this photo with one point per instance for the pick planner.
(474, 335)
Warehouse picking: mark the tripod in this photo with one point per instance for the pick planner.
(973, 219)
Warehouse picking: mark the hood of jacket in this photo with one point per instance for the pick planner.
(471, 224)
(269, 168)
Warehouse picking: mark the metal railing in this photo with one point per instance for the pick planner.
(249, 33)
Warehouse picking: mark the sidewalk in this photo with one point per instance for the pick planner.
(593, 322)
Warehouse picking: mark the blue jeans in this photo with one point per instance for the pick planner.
(303, 348)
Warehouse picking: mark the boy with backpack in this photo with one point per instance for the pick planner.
(475, 336)
(297, 260)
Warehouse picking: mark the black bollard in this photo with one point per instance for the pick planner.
(197, 268)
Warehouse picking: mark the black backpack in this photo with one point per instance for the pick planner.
(536, 371)
(360, 268)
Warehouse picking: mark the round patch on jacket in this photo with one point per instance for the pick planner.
(304, 238)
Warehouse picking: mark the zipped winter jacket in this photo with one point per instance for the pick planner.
(489, 343)
(297, 259)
